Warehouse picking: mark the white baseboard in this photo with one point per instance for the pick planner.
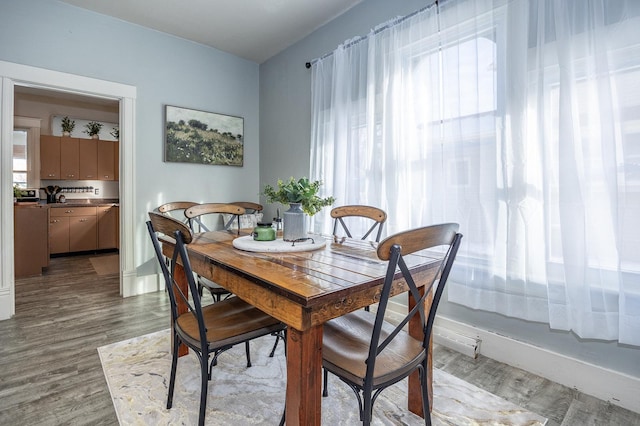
(609, 385)
(6, 302)
(133, 285)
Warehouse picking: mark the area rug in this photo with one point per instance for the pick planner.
(137, 373)
(106, 265)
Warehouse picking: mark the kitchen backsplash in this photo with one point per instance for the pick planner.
(83, 189)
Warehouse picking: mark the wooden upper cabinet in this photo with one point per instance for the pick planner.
(69, 158)
(89, 159)
(49, 157)
(106, 160)
(78, 159)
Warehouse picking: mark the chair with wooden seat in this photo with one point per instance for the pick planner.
(342, 213)
(370, 354)
(207, 330)
(195, 216)
(197, 219)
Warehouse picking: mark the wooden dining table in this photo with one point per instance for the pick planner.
(304, 290)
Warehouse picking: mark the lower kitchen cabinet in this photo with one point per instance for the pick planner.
(31, 252)
(73, 229)
(108, 221)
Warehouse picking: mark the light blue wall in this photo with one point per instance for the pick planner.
(285, 117)
(165, 70)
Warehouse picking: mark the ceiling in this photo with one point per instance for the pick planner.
(252, 29)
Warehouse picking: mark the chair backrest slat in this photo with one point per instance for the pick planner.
(378, 216)
(194, 214)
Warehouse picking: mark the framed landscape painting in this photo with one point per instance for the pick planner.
(200, 137)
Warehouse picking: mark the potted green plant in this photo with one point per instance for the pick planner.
(115, 132)
(17, 192)
(93, 129)
(67, 126)
(302, 197)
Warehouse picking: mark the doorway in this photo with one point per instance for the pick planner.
(12, 75)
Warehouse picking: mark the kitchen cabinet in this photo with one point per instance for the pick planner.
(49, 157)
(31, 249)
(72, 229)
(78, 159)
(108, 226)
(69, 158)
(89, 159)
(106, 160)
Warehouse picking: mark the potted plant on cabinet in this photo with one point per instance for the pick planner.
(302, 197)
(115, 132)
(93, 129)
(67, 126)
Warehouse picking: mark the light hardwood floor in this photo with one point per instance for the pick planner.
(50, 372)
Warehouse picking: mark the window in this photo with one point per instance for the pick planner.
(20, 158)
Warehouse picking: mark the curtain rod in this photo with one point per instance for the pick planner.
(376, 31)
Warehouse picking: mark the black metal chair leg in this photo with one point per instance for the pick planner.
(203, 389)
(172, 376)
(325, 382)
(275, 345)
(246, 348)
(284, 413)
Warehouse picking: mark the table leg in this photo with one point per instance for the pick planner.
(181, 280)
(415, 329)
(304, 376)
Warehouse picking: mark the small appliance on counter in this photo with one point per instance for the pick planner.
(51, 192)
(28, 195)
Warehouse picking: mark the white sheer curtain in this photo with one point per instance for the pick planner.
(518, 119)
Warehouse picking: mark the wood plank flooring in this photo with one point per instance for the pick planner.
(50, 372)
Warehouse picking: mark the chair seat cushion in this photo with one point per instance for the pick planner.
(345, 348)
(225, 321)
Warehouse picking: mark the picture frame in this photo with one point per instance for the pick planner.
(200, 137)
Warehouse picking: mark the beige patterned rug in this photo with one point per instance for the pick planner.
(137, 372)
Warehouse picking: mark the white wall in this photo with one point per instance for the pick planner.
(285, 117)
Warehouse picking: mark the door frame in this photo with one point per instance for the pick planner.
(12, 75)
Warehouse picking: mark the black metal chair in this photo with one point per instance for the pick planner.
(350, 213)
(209, 330)
(339, 214)
(368, 353)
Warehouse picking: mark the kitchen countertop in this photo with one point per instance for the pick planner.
(84, 202)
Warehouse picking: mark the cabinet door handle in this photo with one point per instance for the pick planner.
(83, 220)
(54, 221)
(68, 211)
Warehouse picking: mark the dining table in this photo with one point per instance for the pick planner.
(305, 289)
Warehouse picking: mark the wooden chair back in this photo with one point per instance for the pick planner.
(378, 216)
(250, 207)
(195, 213)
